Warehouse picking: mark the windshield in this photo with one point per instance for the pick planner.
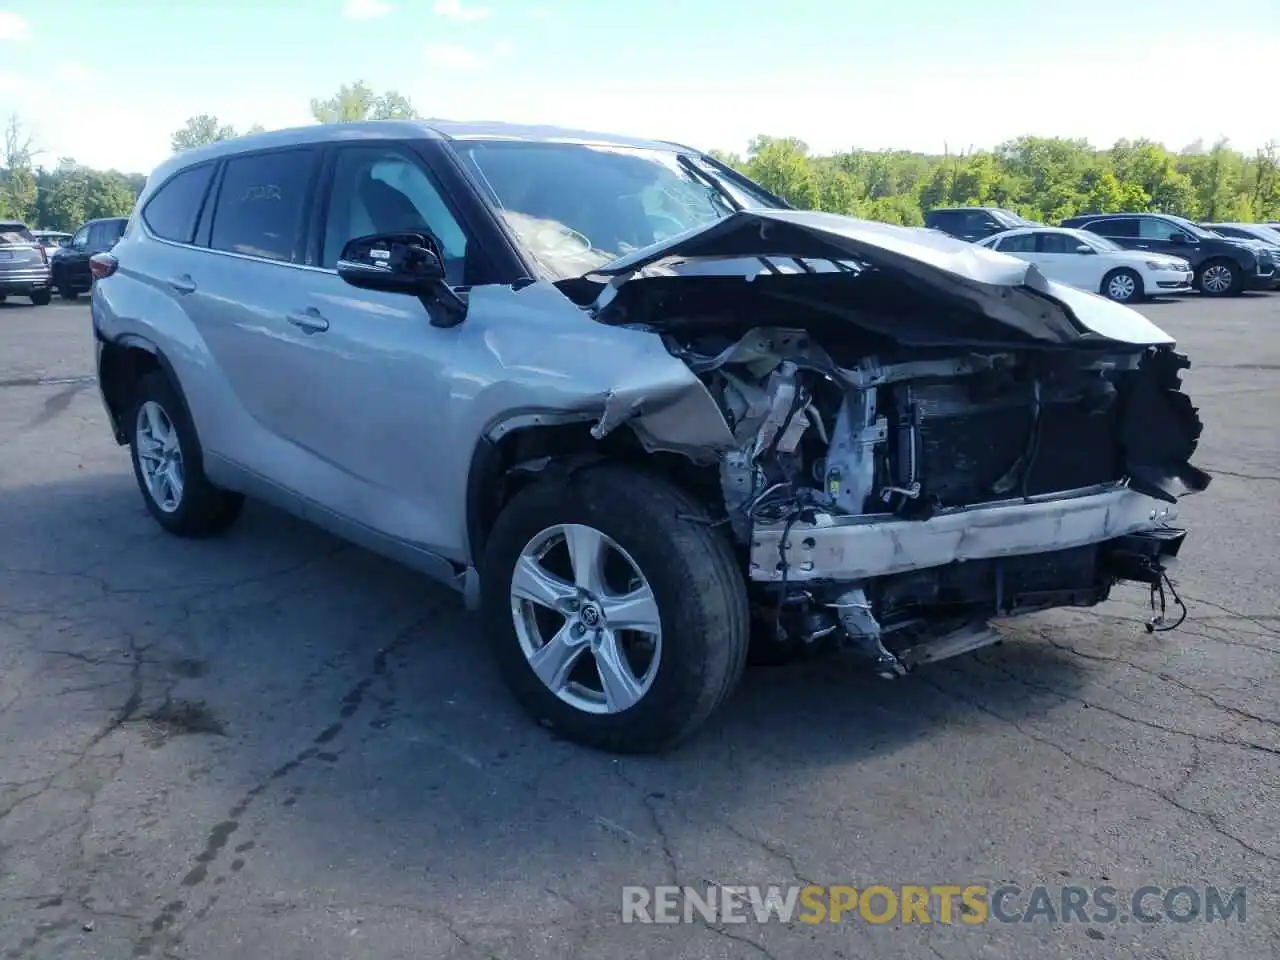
(1192, 228)
(576, 206)
(1012, 219)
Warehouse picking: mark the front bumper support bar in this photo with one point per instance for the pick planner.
(850, 548)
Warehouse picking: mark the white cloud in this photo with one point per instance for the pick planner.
(503, 48)
(448, 56)
(455, 10)
(365, 9)
(13, 27)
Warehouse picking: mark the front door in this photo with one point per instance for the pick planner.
(376, 372)
(1164, 236)
(71, 268)
(1060, 258)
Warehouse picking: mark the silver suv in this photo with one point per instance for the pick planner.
(639, 411)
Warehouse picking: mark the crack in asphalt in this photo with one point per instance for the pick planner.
(1202, 816)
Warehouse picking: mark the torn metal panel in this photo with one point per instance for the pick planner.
(1010, 292)
(860, 547)
(677, 417)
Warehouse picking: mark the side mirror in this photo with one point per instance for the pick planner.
(1085, 249)
(1177, 238)
(409, 263)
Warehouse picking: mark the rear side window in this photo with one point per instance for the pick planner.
(171, 213)
(15, 233)
(261, 203)
(1115, 227)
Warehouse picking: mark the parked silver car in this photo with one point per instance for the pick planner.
(24, 264)
(633, 406)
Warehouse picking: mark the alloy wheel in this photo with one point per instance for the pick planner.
(1217, 279)
(160, 456)
(586, 619)
(1121, 287)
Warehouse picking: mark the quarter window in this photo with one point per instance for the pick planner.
(384, 189)
(172, 211)
(261, 204)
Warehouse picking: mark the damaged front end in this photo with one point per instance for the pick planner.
(919, 446)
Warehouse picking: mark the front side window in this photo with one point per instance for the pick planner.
(81, 240)
(575, 207)
(261, 200)
(1062, 243)
(1021, 243)
(172, 210)
(1154, 228)
(383, 189)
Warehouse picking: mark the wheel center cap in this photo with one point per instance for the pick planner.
(590, 615)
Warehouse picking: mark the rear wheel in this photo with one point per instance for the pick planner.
(41, 298)
(169, 464)
(1220, 278)
(617, 610)
(1122, 286)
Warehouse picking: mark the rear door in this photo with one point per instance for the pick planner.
(239, 291)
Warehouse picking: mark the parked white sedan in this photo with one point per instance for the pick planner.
(1085, 260)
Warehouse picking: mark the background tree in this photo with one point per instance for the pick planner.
(357, 101)
(200, 131)
(18, 193)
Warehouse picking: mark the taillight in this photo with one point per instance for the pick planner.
(102, 265)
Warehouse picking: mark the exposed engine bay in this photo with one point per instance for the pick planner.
(904, 471)
(926, 439)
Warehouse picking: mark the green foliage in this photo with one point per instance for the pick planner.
(199, 132)
(1044, 178)
(356, 101)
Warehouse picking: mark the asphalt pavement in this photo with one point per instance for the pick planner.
(276, 745)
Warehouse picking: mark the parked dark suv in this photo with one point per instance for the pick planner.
(1223, 266)
(974, 223)
(71, 275)
(24, 265)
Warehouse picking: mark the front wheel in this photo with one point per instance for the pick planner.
(67, 293)
(617, 610)
(1219, 278)
(1122, 286)
(169, 464)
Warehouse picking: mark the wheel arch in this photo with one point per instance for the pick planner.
(122, 363)
(518, 450)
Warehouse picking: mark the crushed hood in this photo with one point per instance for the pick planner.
(1009, 291)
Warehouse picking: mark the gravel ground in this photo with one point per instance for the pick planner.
(276, 745)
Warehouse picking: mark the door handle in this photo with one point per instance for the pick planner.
(1143, 246)
(308, 320)
(183, 284)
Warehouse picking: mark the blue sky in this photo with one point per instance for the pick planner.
(106, 83)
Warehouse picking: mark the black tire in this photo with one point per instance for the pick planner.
(1137, 292)
(41, 298)
(1235, 282)
(696, 581)
(203, 510)
(68, 294)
